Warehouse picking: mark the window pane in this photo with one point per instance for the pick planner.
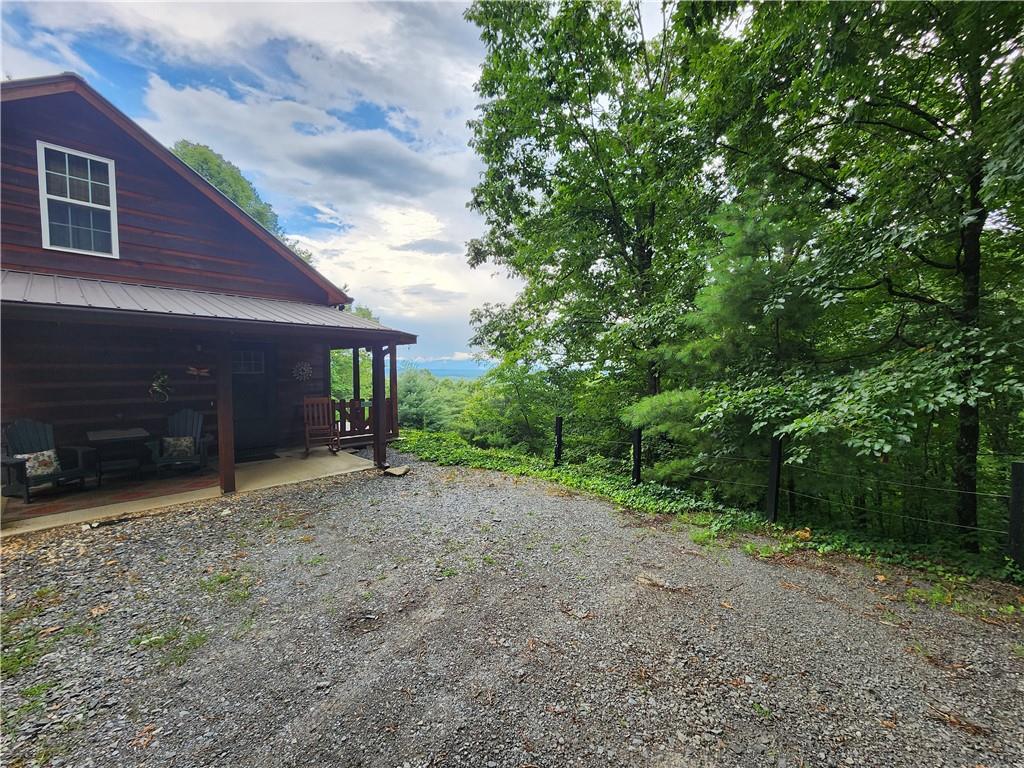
(78, 166)
(79, 190)
(101, 242)
(99, 171)
(81, 217)
(81, 238)
(101, 220)
(55, 161)
(101, 194)
(57, 184)
(59, 213)
(60, 235)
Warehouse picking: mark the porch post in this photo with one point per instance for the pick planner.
(355, 374)
(393, 370)
(225, 420)
(378, 411)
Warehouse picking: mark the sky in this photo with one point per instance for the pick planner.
(349, 118)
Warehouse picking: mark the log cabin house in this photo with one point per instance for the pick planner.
(121, 265)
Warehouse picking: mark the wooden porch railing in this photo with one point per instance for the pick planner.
(355, 421)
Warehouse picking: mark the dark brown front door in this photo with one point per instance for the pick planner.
(254, 383)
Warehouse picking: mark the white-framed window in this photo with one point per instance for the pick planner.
(77, 201)
(247, 361)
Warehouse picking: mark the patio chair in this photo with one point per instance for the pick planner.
(33, 440)
(182, 446)
(320, 423)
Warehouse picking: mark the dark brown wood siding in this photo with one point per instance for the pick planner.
(169, 233)
(81, 377)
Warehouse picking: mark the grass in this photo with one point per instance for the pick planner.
(176, 645)
(33, 696)
(181, 652)
(23, 647)
(233, 586)
(1018, 651)
(245, 626)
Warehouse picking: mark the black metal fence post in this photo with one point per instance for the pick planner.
(637, 436)
(558, 440)
(1017, 512)
(774, 475)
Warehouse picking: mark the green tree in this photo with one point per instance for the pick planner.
(587, 191)
(892, 133)
(228, 179)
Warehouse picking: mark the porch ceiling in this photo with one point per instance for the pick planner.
(134, 303)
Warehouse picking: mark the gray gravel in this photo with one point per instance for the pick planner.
(457, 617)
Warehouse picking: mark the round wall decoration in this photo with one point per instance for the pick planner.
(303, 370)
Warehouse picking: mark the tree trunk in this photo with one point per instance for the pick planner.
(965, 462)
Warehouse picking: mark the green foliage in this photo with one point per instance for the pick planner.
(432, 403)
(800, 220)
(228, 179)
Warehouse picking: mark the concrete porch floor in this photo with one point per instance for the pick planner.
(289, 467)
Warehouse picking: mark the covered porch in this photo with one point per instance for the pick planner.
(87, 356)
(126, 496)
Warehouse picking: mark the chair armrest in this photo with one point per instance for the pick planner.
(77, 457)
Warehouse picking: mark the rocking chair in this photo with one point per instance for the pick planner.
(321, 424)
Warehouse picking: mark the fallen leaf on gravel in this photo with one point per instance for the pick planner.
(50, 630)
(804, 534)
(144, 737)
(956, 721)
(789, 585)
(585, 616)
(880, 578)
(110, 562)
(99, 610)
(647, 581)
(727, 604)
(890, 724)
(737, 682)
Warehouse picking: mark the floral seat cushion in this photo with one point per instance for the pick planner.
(178, 447)
(41, 463)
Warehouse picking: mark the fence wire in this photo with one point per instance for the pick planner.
(577, 441)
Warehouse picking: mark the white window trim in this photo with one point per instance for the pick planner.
(44, 209)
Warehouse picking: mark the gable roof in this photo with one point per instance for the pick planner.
(69, 82)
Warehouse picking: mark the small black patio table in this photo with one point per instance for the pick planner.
(118, 449)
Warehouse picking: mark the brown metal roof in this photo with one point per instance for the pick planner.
(105, 295)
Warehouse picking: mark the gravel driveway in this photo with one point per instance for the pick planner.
(466, 618)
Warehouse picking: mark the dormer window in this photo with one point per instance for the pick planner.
(77, 200)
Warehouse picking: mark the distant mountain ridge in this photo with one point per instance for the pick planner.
(452, 369)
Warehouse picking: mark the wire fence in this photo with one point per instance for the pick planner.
(867, 498)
